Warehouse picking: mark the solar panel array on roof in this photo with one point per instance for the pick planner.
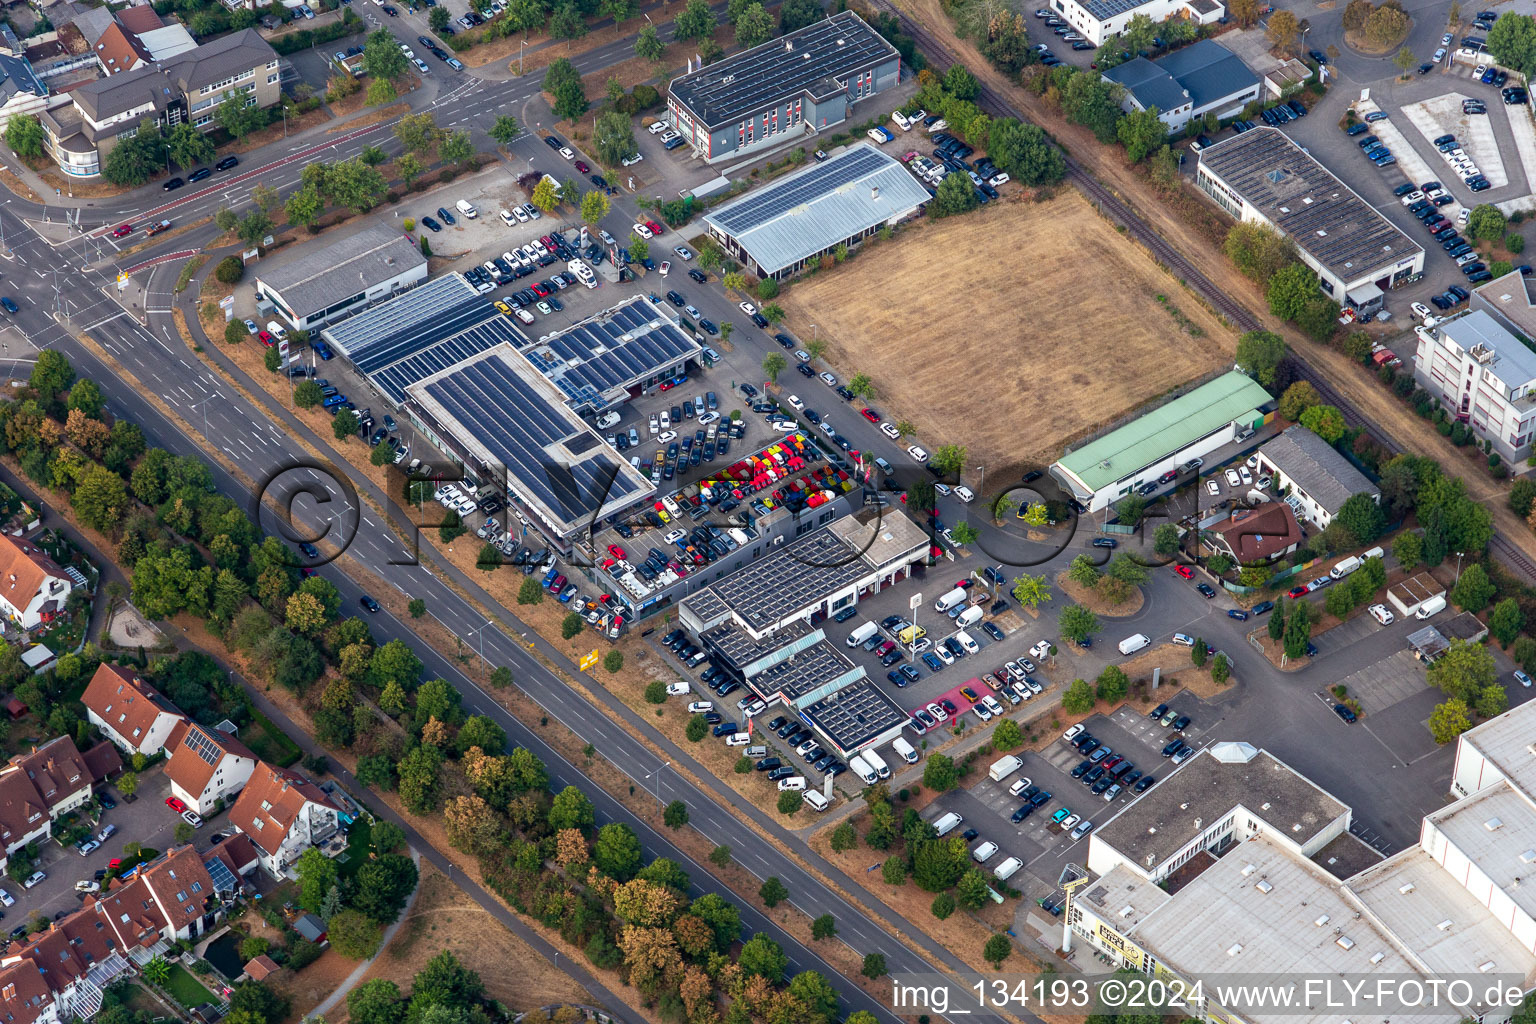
(611, 352)
(393, 380)
(422, 317)
(746, 214)
(819, 58)
(198, 742)
(1104, 10)
(218, 872)
(510, 417)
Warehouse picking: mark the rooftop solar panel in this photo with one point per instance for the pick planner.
(746, 214)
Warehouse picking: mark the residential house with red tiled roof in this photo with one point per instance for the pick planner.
(128, 711)
(206, 766)
(284, 814)
(24, 996)
(170, 898)
(237, 853)
(59, 772)
(119, 50)
(33, 589)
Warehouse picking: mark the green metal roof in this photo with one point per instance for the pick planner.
(1166, 429)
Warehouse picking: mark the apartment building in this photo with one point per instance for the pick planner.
(188, 86)
(1485, 376)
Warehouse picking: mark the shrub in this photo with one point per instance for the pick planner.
(1514, 242)
(230, 270)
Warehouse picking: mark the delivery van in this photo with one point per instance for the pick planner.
(875, 761)
(947, 824)
(1373, 553)
(1004, 767)
(1433, 606)
(911, 635)
(1006, 869)
(467, 208)
(950, 600)
(969, 617)
(1345, 567)
(861, 768)
(814, 800)
(905, 750)
(795, 782)
(984, 852)
(1132, 644)
(862, 633)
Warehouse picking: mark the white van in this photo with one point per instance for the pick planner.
(1132, 644)
(861, 768)
(795, 782)
(467, 208)
(969, 617)
(1006, 869)
(738, 739)
(814, 800)
(862, 633)
(1004, 767)
(965, 640)
(984, 852)
(1344, 568)
(905, 750)
(947, 824)
(876, 762)
(1433, 606)
(950, 600)
(1373, 553)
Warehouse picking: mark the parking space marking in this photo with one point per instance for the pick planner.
(1408, 159)
(1525, 145)
(1441, 115)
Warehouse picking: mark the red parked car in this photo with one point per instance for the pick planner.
(1185, 571)
(615, 551)
(264, 338)
(1300, 591)
(655, 228)
(582, 166)
(175, 804)
(871, 415)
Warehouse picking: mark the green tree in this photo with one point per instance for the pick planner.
(940, 773)
(1325, 421)
(1259, 354)
(1506, 621)
(317, 875)
(345, 424)
(996, 950)
(239, 118)
(1025, 152)
(648, 44)
(563, 82)
(955, 194)
(456, 148)
(1298, 629)
(506, 128)
(1078, 698)
(1463, 671)
(697, 728)
(1291, 288)
(613, 137)
(774, 364)
(613, 661)
(351, 933)
(1486, 223)
(943, 906)
(546, 195)
(594, 206)
(772, 893)
(529, 591)
(1298, 398)
(1165, 540)
(380, 91)
(304, 206)
(1031, 591)
(1362, 517)
(437, 20)
(964, 533)
(1142, 132)
(754, 27)
(1474, 590)
(617, 852)
(696, 21)
(1512, 41)
(382, 57)
(1077, 623)
(789, 802)
(1449, 719)
(1408, 549)
(571, 809)
(187, 146)
(1492, 701)
(874, 966)
(1007, 735)
(823, 927)
(24, 134)
(571, 625)
(1112, 684)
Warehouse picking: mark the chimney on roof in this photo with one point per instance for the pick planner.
(874, 191)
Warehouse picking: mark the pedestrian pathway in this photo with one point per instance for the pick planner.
(350, 981)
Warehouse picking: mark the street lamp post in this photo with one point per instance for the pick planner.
(1458, 565)
(204, 404)
(656, 787)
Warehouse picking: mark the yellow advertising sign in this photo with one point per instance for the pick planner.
(1117, 943)
(589, 660)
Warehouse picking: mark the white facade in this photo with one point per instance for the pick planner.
(314, 823)
(1484, 376)
(1097, 21)
(229, 777)
(149, 742)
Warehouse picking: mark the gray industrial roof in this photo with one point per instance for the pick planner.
(819, 206)
(1506, 743)
(319, 277)
(814, 668)
(1513, 363)
(1317, 468)
(1201, 73)
(1161, 821)
(819, 58)
(423, 316)
(1316, 210)
(789, 579)
(855, 716)
(506, 416)
(1495, 829)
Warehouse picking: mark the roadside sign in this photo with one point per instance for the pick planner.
(589, 660)
(915, 602)
(249, 255)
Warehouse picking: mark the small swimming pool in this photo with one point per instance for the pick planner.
(224, 954)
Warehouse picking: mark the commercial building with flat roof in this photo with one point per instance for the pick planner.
(807, 578)
(1100, 19)
(796, 85)
(512, 428)
(1312, 470)
(1485, 375)
(1409, 595)
(1262, 177)
(1502, 749)
(1225, 794)
(1192, 81)
(316, 285)
(1198, 422)
(780, 228)
(857, 717)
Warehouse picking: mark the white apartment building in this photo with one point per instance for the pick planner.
(1485, 377)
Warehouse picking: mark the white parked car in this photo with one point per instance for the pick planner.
(677, 689)
(1213, 487)
(1420, 310)
(657, 127)
(889, 431)
(406, 50)
(641, 230)
(793, 401)
(1183, 639)
(965, 494)
(1382, 614)
(918, 453)
(942, 490)
(1041, 650)
(748, 308)
(675, 536)
(1247, 476)
(88, 885)
(1233, 480)
(33, 879)
(567, 152)
(1000, 178)
(665, 268)
(699, 707)
(1020, 785)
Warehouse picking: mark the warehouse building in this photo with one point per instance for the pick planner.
(1311, 470)
(1262, 177)
(1196, 423)
(1278, 896)
(779, 229)
(318, 285)
(794, 86)
(1100, 19)
(811, 577)
(1190, 82)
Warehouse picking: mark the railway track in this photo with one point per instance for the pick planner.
(1177, 264)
